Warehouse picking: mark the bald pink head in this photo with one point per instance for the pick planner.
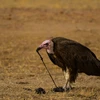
(48, 45)
(45, 44)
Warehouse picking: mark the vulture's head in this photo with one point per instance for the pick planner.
(48, 45)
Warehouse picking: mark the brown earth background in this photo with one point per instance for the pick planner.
(24, 24)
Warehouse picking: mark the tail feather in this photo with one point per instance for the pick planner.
(92, 68)
(96, 68)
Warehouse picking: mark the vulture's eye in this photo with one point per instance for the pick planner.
(46, 44)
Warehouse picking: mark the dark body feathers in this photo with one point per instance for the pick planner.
(74, 56)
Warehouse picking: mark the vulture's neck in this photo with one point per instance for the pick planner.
(50, 49)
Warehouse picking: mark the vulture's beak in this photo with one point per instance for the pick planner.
(39, 48)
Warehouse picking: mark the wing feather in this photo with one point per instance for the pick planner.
(77, 56)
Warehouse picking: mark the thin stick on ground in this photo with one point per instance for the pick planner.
(47, 69)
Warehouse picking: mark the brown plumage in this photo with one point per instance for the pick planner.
(72, 57)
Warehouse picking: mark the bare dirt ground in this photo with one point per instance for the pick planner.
(21, 70)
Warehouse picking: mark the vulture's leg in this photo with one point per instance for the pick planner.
(67, 85)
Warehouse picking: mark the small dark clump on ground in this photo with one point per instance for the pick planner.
(58, 89)
(40, 91)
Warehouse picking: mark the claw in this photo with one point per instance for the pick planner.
(67, 87)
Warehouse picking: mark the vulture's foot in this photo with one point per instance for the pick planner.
(67, 88)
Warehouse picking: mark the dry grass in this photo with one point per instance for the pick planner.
(59, 4)
(21, 70)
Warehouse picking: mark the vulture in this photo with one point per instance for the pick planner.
(72, 57)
